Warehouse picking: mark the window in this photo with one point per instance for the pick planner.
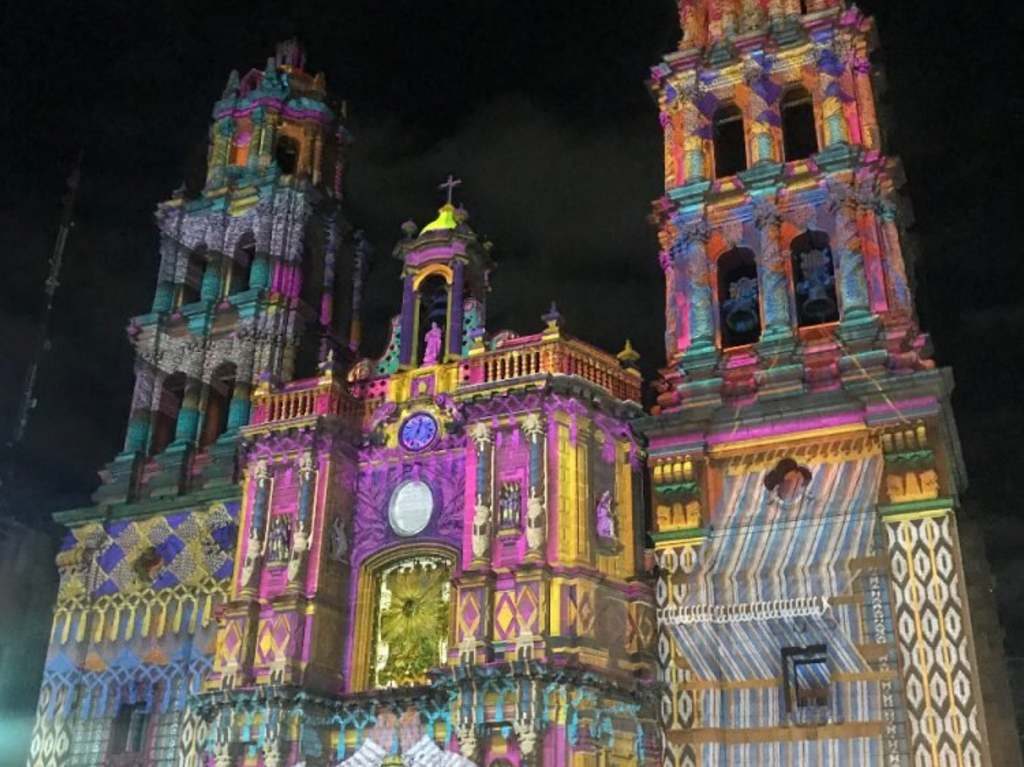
(799, 135)
(286, 155)
(730, 141)
(806, 680)
(218, 402)
(509, 505)
(165, 419)
(738, 297)
(189, 290)
(241, 266)
(814, 279)
(128, 735)
(410, 621)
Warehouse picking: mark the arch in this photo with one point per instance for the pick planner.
(432, 298)
(240, 270)
(218, 401)
(191, 284)
(730, 142)
(799, 128)
(165, 417)
(368, 618)
(286, 154)
(738, 297)
(429, 271)
(814, 279)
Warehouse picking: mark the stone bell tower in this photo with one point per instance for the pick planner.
(256, 279)
(805, 467)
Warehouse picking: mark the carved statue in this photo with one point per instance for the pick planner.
(279, 541)
(605, 517)
(252, 557)
(433, 345)
(338, 548)
(481, 529)
(535, 526)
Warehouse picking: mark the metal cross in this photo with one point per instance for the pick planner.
(450, 185)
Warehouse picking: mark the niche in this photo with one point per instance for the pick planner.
(165, 419)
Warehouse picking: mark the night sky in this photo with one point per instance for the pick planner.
(540, 107)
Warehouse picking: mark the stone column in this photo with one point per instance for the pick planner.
(892, 258)
(853, 286)
(257, 522)
(408, 341)
(866, 103)
(694, 143)
(163, 298)
(830, 68)
(303, 534)
(772, 274)
(483, 443)
(536, 500)
(455, 299)
(209, 289)
(188, 415)
(258, 119)
(137, 436)
(693, 242)
(220, 138)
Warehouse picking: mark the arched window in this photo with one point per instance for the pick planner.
(738, 297)
(814, 279)
(241, 266)
(165, 419)
(286, 154)
(310, 351)
(799, 135)
(433, 318)
(410, 620)
(189, 290)
(218, 401)
(312, 271)
(730, 141)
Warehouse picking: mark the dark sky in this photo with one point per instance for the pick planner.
(540, 106)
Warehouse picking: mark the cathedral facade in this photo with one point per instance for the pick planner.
(478, 548)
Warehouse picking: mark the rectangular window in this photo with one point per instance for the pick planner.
(806, 682)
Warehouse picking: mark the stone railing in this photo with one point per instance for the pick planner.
(536, 356)
(301, 400)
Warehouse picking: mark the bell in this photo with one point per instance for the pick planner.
(741, 319)
(818, 306)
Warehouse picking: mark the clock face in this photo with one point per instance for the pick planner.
(418, 431)
(410, 508)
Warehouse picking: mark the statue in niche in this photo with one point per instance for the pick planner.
(432, 343)
(509, 504)
(481, 529)
(788, 481)
(605, 516)
(279, 540)
(339, 541)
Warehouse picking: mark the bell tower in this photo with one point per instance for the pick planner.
(257, 279)
(804, 464)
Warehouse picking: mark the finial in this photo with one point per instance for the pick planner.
(231, 88)
(554, 319)
(328, 367)
(409, 229)
(449, 184)
(628, 357)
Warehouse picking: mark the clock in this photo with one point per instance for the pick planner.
(410, 508)
(418, 432)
